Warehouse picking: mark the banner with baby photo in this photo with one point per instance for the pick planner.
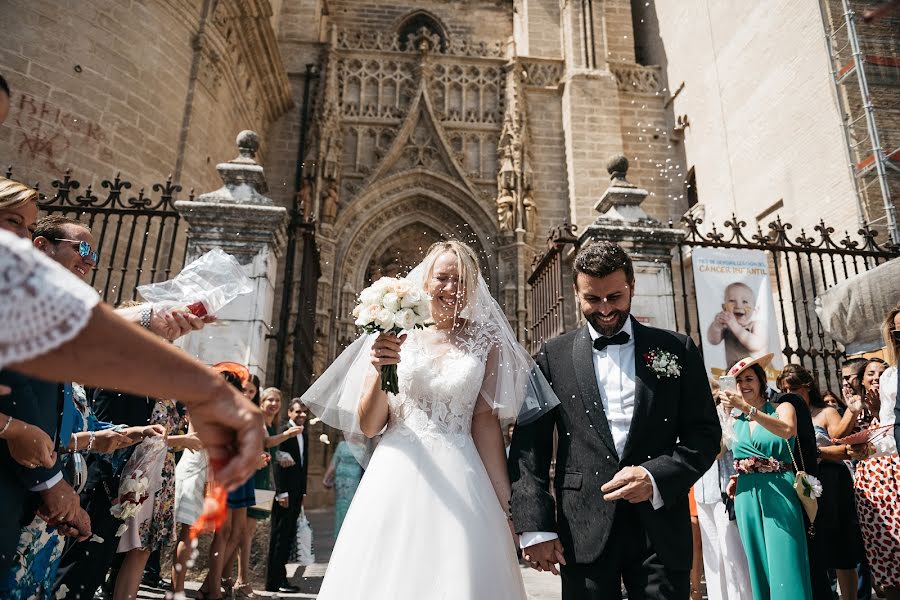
(737, 313)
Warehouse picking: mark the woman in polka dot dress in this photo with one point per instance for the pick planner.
(878, 476)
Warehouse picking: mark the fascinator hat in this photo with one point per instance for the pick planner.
(748, 361)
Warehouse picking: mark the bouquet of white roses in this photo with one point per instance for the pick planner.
(392, 305)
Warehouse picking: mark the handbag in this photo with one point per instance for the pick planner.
(303, 552)
(803, 485)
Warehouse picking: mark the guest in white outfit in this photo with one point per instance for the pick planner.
(724, 560)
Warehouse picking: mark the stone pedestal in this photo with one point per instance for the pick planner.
(650, 244)
(241, 220)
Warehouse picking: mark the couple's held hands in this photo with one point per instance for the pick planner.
(386, 350)
(631, 483)
(545, 556)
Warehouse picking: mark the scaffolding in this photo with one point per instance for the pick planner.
(873, 169)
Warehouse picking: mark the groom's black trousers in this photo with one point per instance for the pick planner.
(627, 558)
(281, 539)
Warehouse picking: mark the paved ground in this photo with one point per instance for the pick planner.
(540, 586)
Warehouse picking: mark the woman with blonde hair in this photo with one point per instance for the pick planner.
(18, 207)
(436, 488)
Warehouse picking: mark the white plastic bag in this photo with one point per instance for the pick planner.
(204, 286)
(303, 551)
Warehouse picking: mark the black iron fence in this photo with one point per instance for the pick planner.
(801, 267)
(140, 237)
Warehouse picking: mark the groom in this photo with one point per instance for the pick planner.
(634, 433)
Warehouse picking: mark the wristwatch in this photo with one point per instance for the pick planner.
(752, 412)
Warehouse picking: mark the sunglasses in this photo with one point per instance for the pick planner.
(895, 333)
(84, 249)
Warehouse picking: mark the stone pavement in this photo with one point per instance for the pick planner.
(540, 586)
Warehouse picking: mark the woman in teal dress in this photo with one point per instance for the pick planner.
(769, 514)
(344, 474)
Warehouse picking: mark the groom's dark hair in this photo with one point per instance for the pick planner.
(602, 259)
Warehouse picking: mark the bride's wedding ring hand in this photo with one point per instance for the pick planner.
(386, 350)
(545, 556)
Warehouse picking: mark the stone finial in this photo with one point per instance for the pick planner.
(622, 200)
(617, 167)
(248, 144)
(243, 178)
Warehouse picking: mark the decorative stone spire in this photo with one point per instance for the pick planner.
(622, 200)
(244, 178)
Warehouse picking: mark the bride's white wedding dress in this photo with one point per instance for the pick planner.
(425, 523)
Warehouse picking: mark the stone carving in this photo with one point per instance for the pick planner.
(330, 202)
(506, 210)
(378, 41)
(530, 212)
(636, 78)
(543, 73)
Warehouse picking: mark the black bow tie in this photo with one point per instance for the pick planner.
(617, 340)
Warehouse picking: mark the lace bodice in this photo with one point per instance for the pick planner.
(440, 378)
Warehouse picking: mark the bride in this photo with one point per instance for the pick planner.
(430, 519)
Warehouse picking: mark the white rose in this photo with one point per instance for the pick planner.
(385, 319)
(371, 295)
(402, 287)
(423, 308)
(411, 298)
(357, 310)
(405, 319)
(367, 315)
(391, 301)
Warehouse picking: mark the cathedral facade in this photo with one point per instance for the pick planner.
(491, 122)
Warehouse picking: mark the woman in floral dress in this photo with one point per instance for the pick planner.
(155, 522)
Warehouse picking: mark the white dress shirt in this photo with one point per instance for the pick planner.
(614, 367)
(888, 392)
(299, 437)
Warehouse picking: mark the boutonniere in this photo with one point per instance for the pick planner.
(662, 363)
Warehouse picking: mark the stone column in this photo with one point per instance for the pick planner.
(650, 244)
(241, 220)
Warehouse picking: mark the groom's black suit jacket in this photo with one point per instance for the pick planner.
(674, 434)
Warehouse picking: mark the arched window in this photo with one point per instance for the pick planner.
(415, 23)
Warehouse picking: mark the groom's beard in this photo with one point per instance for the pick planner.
(609, 330)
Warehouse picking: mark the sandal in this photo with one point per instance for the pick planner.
(244, 592)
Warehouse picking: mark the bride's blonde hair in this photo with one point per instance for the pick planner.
(466, 265)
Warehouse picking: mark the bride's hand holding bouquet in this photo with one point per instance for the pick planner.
(389, 307)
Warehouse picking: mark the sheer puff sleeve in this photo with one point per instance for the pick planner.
(42, 306)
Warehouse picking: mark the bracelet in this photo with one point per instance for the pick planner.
(9, 421)
(90, 445)
(146, 315)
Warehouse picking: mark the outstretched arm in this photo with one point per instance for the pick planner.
(373, 410)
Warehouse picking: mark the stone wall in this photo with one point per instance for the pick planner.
(764, 123)
(105, 86)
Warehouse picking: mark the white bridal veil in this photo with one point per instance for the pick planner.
(513, 385)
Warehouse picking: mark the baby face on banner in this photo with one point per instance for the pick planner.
(739, 300)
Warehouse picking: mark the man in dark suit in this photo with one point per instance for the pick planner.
(23, 489)
(290, 487)
(636, 428)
